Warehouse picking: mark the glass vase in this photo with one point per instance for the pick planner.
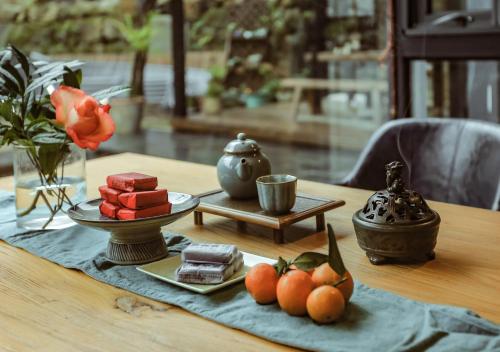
(48, 180)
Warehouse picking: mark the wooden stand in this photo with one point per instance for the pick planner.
(248, 211)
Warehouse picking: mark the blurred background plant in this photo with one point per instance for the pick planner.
(55, 27)
(263, 41)
(209, 29)
(216, 83)
(138, 30)
(212, 102)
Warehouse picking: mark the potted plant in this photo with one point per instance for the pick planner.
(50, 128)
(212, 99)
(252, 99)
(129, 110)
(266, 91)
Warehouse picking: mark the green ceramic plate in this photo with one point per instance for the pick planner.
(165, 270)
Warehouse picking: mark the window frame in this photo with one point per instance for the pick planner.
(412, 44)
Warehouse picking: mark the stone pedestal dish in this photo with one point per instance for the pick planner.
(134, 241)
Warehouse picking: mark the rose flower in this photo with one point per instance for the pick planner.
(85, 120)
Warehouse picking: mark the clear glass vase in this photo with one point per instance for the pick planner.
(48, 181)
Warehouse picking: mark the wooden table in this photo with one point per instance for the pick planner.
(45, 307)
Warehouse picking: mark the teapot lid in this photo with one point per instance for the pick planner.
(242, 145)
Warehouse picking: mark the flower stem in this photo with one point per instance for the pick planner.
(49, 180)
(32, 206)
(52, 212)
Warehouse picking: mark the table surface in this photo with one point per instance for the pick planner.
(46, 307)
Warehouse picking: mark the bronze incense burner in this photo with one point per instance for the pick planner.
(396, 224)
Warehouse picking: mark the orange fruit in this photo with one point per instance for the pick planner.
(292, 291)
(325, 304)
(347, 287)
(325, 275)
(261, 281)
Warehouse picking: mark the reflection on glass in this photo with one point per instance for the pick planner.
(460, 5)
(465, 88)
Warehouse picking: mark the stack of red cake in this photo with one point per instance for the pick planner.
(132, 196)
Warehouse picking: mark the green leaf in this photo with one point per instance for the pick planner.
(334, 257)
(44, 66)
(30, 100)
(49, 138)
(47, 112)
(51, 73)
(25, 143)
(57, 66)
(110, 92)
(309, 260)
(52, 77)
(281, 266)
(17, 122)
(40, 123)
(23, 60)
(49, 156)
(45, 81)
(3, 129)
(72, 78)
(6, 110)
(10, 136)
(9, 80)
(5, 56)
(19, 79)
(79, 76)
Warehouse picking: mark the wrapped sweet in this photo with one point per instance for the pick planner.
(209, 253)
(131, 196)
(202, 273)
(132, 181)
(132, 214)
(110, 194)
(145, 199)
(109, 209)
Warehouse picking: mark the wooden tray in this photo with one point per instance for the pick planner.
(306, 206)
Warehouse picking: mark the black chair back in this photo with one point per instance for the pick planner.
(449, 160)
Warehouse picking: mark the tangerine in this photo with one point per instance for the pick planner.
(261, 281)
(292, 291)
(325, 275)
(325, 304)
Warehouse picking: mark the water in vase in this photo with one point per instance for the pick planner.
(33, 200)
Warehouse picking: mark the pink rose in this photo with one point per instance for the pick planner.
(86, 121)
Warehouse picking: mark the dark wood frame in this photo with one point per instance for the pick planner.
(179, 57)
(410, 44)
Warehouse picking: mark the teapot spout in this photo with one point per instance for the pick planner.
(244, 170)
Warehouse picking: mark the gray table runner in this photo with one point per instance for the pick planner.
(375, 320)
